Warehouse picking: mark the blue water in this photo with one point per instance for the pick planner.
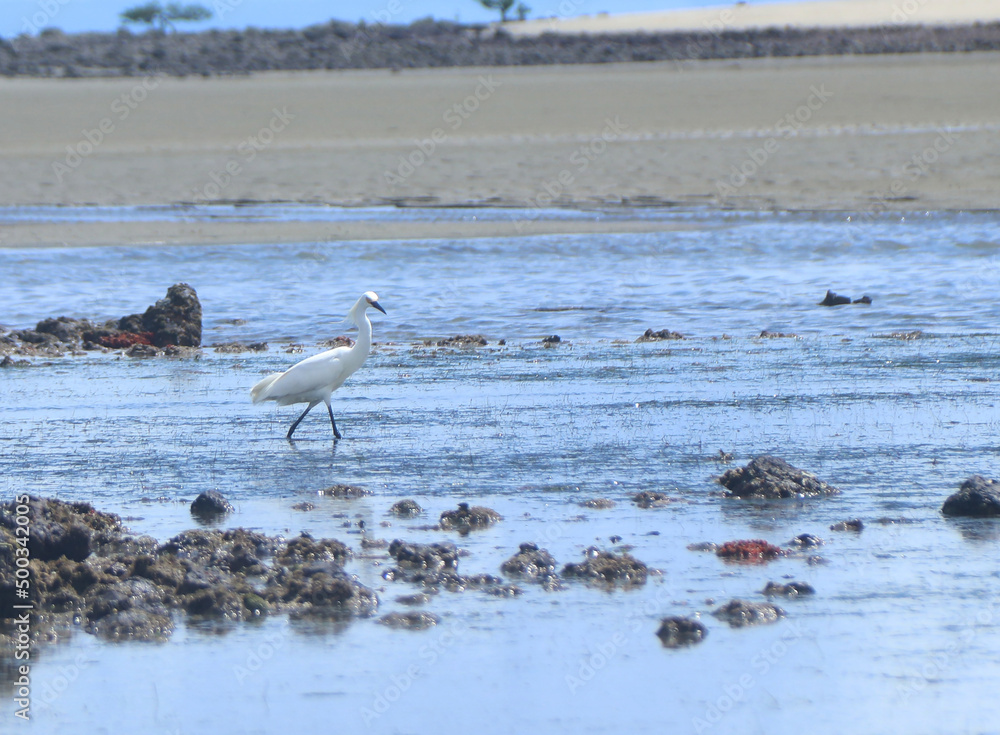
(901, 636)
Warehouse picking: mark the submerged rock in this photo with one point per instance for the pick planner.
(410, 620)
(406, 508)
(461, 340)
(792, 589)
(346, 492)
(651, 335)
(651, 499)
(211, 506)
(978, 497)
(740, 613)
(606, 567)
(235, 348)
(466, 517)
(767, 334)
(676, 632)
(767, 477)
(855, 525)
(598, 503)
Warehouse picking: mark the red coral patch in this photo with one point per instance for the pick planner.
(123, 340)
(754, 550)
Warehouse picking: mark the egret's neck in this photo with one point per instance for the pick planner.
(364, 343)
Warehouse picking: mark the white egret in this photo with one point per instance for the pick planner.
(316, 377)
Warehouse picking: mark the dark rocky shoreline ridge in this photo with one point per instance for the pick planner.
(430, 43)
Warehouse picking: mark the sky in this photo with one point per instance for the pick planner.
(31, 16)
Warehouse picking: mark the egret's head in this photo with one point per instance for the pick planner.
(372, 298)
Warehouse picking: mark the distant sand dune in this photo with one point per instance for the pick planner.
(744, 16)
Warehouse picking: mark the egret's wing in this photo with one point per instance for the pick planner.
(305, 380)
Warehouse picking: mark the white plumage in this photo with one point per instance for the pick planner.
(317, 377)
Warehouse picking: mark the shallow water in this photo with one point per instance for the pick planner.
(903, 632)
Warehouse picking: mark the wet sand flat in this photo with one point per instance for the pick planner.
(829, 133)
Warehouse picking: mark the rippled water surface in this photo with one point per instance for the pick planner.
(902, 635)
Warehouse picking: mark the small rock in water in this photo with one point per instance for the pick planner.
(740, 613)
(792, 589)
(346, 492)
(676, 632)
(854, 524)
(530, 562)
(466, 517)
(651, 499)
(608, 568)
(406, 508)
(978, 497)
(866, 299)
(552, 339)
(651, 335)
(424, 556)
(703, 546)
(463, 340)
(210, 505)
(414, 600)
(234, 348)
(833, 299)
(765, 334)
(767, 477)
(598, 503)
(807, 540)
(415, 620)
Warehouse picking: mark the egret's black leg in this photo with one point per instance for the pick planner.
(299, 420)
(333, 423)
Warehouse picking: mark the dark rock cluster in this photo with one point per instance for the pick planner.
(977, 497)
(607, 568)
(85, 563)
(429, 43)
(171, 326)
(767, 477)
(466, 518)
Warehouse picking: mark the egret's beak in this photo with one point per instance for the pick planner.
(377, 305)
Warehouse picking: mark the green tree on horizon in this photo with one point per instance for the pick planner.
(502, 5)
(156, 15)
